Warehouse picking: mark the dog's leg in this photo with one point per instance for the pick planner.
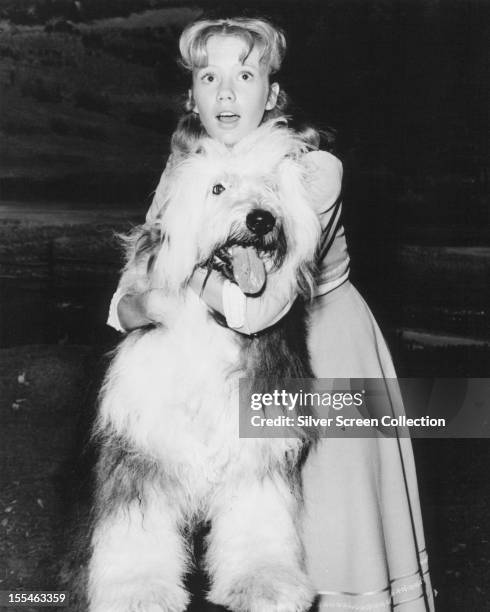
(255, 555)
(139, 558)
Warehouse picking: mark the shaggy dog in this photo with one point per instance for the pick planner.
(170, 454)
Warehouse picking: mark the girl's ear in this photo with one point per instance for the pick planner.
(190, 105)
(272, 99)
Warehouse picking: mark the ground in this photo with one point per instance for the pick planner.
(45, 394)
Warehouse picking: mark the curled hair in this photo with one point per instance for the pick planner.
(259, 33)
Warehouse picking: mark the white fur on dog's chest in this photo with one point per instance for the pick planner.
(184, 383)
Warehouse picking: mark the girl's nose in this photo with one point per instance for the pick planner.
(226, 92)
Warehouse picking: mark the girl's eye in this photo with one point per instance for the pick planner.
(246, 76)
(208, 78)
(218, 188)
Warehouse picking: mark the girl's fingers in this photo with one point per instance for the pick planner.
(155, 304)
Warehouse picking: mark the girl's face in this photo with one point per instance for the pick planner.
(229, 95)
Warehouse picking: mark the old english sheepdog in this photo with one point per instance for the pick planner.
(170, 453)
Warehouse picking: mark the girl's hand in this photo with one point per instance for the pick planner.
(140, 309)
(135, 310)
(212, 291)
(155, 303)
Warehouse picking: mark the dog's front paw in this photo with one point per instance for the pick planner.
(271, 589)
(140, 598)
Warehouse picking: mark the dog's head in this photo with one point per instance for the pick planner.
(244, 211)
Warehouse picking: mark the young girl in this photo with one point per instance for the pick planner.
(363, 531)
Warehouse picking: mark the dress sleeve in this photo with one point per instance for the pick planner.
(133, 280)
(326, 182)
(249, 315)
(113, 318)
(134, 277)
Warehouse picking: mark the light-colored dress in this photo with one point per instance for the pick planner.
(363, 530)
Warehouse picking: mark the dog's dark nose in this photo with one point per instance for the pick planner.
(260, 221)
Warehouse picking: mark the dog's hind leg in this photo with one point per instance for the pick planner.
(255, 555)
(139, 556)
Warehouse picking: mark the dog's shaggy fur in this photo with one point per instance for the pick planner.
(170, 454)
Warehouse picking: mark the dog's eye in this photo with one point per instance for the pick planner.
(218, 188)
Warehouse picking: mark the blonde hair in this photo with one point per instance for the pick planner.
(255, 33)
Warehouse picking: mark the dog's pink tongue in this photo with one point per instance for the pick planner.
(248, 269)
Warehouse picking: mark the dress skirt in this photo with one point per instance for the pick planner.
(363, 531)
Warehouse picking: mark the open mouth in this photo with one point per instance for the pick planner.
(244, 264)
(227, 117)
(250, 254)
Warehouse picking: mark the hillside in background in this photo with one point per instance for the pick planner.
(30, 12)
(92, 87)
(87, 110)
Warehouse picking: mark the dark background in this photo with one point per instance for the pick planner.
(90, 93)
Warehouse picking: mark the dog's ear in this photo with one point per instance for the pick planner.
(141, 245)
(149, 241)
(187, 192)
(155, 240)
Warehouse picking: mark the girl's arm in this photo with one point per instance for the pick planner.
(244, 314)
(135, 304)
(130, 311)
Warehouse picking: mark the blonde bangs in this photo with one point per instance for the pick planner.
(254, 32)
